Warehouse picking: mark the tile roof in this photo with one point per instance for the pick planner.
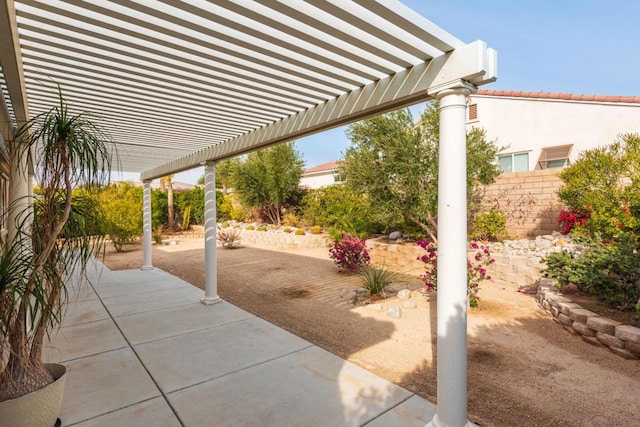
(322, 168)
(561, 96)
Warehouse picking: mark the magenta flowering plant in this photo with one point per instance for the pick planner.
(476, 268)
(350, 253)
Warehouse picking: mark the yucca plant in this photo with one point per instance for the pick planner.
(57, 236)
(375, 279)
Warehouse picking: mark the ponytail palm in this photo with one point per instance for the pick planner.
(53, 241)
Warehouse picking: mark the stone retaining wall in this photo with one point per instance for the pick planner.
(282, 240)
(623, 340)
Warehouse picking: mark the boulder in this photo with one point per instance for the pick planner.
(395, 312)
(395, 235)
(404, 294)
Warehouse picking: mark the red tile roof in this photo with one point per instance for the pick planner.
(322, 168)
(561, 96)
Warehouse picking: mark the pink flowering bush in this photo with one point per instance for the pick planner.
(572, 218)
(350, 253)
(476, 268)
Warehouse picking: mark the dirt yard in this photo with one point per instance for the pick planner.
(524, 369)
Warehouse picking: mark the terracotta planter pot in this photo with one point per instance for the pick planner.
(38, 409)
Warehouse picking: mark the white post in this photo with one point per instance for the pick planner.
(19, 189)
(146, 225)
(452, 259)
(210, 228)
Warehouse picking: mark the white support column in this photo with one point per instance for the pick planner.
(210, 238)
(19, 189)
(146, 225)
(452, 258)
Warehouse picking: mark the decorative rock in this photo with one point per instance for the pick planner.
(404, 294)
(389, 289)
(609, 340)
(556, 300)
(581, 315)
(409, 304)
(555, 311)
(377, 307)
(395, 235)
(602, 324)
(582, 329)
(361, 295)
(172, 243)
(628, 333)
(395, 312)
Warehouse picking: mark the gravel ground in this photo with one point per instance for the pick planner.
(524, 370)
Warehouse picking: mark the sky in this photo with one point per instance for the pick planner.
(568, 46)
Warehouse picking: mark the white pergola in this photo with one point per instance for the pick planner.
(181, 85)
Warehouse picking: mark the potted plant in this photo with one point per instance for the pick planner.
(56, 238)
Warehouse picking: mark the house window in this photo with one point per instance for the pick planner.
(556, 156)
(514, 162)
(473, 112)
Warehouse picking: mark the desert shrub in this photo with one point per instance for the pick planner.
(291, 220)
(476, 268)
(339, 210)
(350, 253)
(250, 227)
(570, 219)
(376, 278)
(287, 230)
(611, 273)
(489, 226)
(228, 236)
(156, 234)
(605, 182)
(316, 229)
(261, 228)
(299, 232)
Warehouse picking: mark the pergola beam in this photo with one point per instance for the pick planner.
(474, 63)
(11, 60)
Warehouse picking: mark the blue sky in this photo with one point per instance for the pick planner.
(568, 46)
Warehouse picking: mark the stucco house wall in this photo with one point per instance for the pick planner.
(529, 121)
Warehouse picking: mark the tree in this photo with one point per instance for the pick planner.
(166, 182)
(225, 172)
(267, 179)
(394, 163)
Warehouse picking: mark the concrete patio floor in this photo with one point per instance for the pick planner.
(141, 350)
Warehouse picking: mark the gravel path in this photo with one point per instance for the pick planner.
(524, 369)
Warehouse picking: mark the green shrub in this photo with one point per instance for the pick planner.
(489, 226)
(299, 232)
(157, 235)
(287, 230)
(291, 220)
(261, 228)
(376, 278)
(609, 272)
(604, 184)
(251, 228)
(316, 229)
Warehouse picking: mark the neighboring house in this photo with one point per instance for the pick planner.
(541, 133)
(542, 130)
(321, 176)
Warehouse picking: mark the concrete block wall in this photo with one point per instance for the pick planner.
(529, 199)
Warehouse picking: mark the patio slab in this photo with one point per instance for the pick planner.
(165, 323)
(103, 383)
(147, 301)
(310, 387)
(154, 412)
(192, 358)
(82, 340)
(159, 350)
